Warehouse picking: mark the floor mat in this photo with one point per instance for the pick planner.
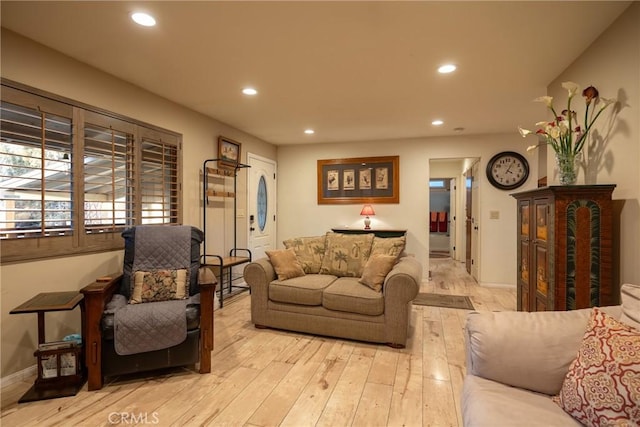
(446, 301)
(439, 254)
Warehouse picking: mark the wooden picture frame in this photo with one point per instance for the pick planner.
(228, 152)
(359, 180)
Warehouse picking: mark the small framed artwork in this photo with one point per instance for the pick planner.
(359, 180)
(228, 152)
(332, 180)
(349, 180)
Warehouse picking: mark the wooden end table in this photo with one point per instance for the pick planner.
(56, 381)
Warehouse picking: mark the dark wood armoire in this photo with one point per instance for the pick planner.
(565, 247)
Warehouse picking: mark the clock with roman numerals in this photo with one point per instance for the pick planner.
(507, 170)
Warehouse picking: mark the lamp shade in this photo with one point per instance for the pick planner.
(367, 210)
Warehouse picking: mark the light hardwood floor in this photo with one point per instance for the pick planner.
(276, 378)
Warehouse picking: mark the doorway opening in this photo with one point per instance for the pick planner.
(440, 216)
(453, 204)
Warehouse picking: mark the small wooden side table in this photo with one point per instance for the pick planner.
(60, 385)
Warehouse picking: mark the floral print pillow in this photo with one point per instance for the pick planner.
(159, 285)
(346, 254)
(388, 246)
(602, 387)
(309, 251)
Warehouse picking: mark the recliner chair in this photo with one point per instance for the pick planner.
(122, 336)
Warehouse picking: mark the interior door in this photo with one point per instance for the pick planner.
(475, 221)
(452, 218)
(468, 219)
(261, 205)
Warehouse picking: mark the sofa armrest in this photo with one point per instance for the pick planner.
(402, 284)
(258, 274)
(526, 350)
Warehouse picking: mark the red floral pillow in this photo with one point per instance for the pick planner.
(602, 387)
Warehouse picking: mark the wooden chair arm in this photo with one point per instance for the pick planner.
(96, 296)
(207, 282)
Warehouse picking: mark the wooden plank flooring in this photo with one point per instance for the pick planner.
(275, 378)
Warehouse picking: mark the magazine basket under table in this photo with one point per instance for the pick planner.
(60, 363)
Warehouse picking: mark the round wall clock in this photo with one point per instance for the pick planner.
(507, 170)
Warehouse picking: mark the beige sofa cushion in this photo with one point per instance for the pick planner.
(347, 294)
(630, 296)
(388, 245)
(525, 350)
(285, 263)
(487, 403)
(304, 290)
(346, 254)
(376, 270)
(309, 251)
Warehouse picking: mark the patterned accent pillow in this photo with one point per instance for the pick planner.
(602, 386)
(309, 251)
(159, 285)
(376, 270)
(346, 254)
(285, 264)
(388, 245)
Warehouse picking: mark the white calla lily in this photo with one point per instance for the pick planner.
(571, 87)
(524, 132)
(606, 102)
(564, 133)
(547, 100)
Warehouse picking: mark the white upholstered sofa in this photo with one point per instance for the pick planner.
(516, 362)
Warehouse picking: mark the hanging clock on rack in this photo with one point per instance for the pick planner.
(507, 170)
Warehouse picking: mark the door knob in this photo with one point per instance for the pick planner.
(252, 229)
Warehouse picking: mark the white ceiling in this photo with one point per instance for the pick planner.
(350, 70)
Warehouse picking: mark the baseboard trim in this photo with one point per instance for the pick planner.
(19, 376)
(497, 285)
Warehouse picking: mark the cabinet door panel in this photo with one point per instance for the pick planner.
(542, 271)
(542, 219)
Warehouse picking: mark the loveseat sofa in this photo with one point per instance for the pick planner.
(517, 362)
(348, 286)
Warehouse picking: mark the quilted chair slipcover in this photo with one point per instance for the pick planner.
(149, 247)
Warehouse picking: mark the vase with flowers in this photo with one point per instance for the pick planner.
(564, 133)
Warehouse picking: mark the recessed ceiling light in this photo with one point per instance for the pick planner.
(447, 68)
(437, 122)
(143, 19)
(249, 91)
(309, 131)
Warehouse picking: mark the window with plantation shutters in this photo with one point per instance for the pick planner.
(72, 178)
(159, 182)
(35, 171)
(108, 173)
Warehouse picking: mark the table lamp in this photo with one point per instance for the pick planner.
(367, 210)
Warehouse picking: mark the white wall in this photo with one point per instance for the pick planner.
(612, 65)
(302, 216)
(35, 65)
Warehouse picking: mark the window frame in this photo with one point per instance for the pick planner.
(80, 242)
